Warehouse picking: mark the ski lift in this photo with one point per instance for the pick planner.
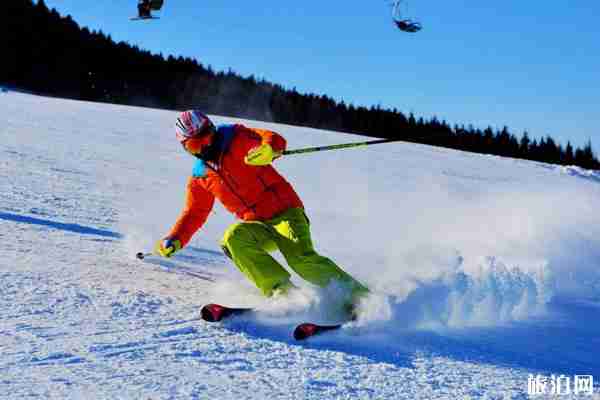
(404, 24)
(145, 8)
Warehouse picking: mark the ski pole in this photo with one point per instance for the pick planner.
(141, 256)
(339, 146)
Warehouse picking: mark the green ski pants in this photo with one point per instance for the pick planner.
(248, 244)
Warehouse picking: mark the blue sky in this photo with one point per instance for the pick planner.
(531, 65)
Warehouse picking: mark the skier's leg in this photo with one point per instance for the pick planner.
(248, 244)
(294, 241)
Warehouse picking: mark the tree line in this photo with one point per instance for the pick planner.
(51, 54)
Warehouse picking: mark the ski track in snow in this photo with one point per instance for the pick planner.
(469, 298)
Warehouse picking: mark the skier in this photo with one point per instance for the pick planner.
(234, 165)
(144, 8)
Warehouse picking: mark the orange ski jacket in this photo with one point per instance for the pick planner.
(251, 193)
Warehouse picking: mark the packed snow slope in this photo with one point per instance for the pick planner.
(483, 269)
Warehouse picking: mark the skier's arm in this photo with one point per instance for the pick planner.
(274, 139)
(271, 147)
(198, 205)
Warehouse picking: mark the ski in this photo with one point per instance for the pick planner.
(217, 312)
(307, 329)
(142, 18)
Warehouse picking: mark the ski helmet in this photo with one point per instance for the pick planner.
(193, 124)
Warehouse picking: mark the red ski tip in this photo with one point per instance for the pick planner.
(213, 312)
(306, 330)
(216, 312)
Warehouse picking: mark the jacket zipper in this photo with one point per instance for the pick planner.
(229, 185)
(270, 189)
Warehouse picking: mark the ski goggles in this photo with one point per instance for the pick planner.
(195, 145)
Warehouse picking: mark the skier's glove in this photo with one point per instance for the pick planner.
(261, 155)
(167, 247)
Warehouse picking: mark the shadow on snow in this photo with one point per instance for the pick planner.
(175, 268)
(76, 228)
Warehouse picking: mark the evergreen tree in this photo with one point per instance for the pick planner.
(524, 145)
(569, 157)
